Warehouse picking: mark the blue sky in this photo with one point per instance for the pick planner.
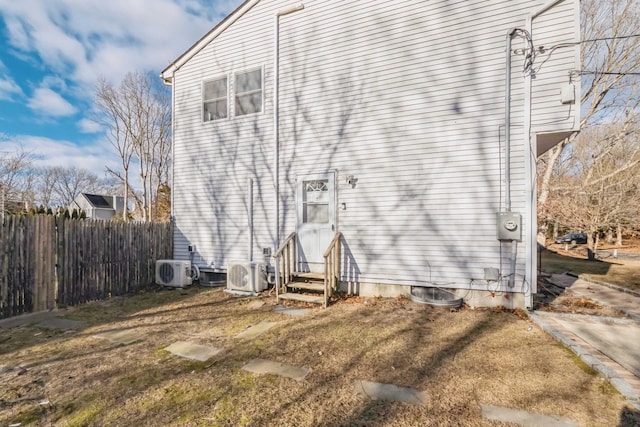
(53, 51)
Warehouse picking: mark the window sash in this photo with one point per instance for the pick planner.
(315, 203)
(215, 94)
(248, 96)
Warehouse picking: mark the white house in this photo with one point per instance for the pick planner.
(98, 206)
(412, 128)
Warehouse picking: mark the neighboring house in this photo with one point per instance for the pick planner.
(98, 206)
(384, 120)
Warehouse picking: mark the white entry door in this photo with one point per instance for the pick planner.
(316, 219)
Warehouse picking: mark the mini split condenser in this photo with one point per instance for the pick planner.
(173, 273)
(246, 276)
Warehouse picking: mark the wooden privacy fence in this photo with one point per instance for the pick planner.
(48, 262)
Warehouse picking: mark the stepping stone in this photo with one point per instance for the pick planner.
(120, 337)
(524, 418)
(254, 305)
(292, 311)
(64, 324)
(261, 366)
(26, 319)
(256, 330)
(192, 351)
(380, 391)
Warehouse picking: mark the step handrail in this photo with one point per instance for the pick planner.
(331, 267)
(285, 259)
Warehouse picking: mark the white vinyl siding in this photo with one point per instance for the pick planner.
(408, 97)
(556, 31)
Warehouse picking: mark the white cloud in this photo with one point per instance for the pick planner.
(48, 103)
(51, 152)
(73, 42)
(9, 89)
(89, 126)
(81, 40)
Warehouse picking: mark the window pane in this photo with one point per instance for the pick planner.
(316, 214)
(215, 110)
(315, 201)
(316, 191)
(215, 89)
(247, 104)
(248, 82)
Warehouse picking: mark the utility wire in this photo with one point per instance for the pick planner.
(608, 73)
(601, 39)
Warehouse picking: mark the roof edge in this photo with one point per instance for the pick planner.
(168, 73)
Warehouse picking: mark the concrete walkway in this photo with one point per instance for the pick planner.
(609, 345)
(610, 295)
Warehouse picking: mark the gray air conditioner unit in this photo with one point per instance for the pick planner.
(173, 273)
(247, 276)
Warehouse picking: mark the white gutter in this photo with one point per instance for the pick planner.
(276, 120)
(531, 210)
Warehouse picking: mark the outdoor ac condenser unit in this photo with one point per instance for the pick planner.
(246, 276)
(173, 273)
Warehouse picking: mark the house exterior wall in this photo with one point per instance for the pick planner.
(118, 203)
(408, 97)
(97, 213)
(81, 203)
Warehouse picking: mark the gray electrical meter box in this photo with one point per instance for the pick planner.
(508, 226)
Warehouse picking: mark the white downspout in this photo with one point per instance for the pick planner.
(531, 209)
(250, 218)
(276, 134)
(276, 121)
(171, 83)
(530, 206)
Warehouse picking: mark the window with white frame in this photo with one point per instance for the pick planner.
(315, 201)
(214, 94)
(248, 92)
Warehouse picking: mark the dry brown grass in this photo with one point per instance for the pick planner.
(460, 358)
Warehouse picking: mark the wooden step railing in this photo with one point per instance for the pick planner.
(285, 262)
(286, 266)
(331, 267)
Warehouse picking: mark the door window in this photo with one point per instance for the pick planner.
(315, 201)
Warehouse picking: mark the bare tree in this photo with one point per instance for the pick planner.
(46, 186)
(115, 114)
(598, 193)
(611, 58)
(15, 170)
(137, 113)
(70, 181)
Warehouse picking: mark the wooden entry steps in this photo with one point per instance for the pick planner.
(316, 288)
(305, 287)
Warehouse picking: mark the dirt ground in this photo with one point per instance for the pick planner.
(461, 359)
